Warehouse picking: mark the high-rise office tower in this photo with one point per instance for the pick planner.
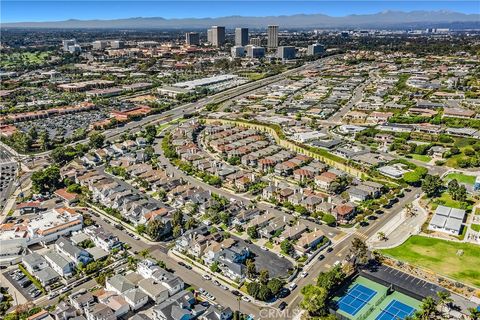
(241, 36)
(272, 34)
(192, 38)
(218, 36)
(210, 36)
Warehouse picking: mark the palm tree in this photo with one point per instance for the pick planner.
(428, 309)
(474, 313)
(381, 236)
(445, 299)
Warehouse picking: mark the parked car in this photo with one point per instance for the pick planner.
(246, 299)
(292, 286)
(283, 293)
(282, 305)
(206, 277)
(52, 295)
(304, 274)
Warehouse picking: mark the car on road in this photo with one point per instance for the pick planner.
(321, 257)
(206, 277)
(282, 305)
(183, 264)
(224, 287)
(283, 293)
(246, 299)
(236, 293)
(304, 274)
(215, 282)
(329, 249)
(35, 293)
(136, 237)
(292, 286)
(264, 248)
(52, 295)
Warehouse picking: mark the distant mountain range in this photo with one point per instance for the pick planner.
(386, 19)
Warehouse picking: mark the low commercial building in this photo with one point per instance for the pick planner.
(447, 220)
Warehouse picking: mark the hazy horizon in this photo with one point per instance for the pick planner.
(48, 11)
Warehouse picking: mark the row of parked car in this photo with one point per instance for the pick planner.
(24, 282)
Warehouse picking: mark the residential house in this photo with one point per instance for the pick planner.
(61, 264)
(74, 253)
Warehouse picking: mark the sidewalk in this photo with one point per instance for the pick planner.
(399, 229)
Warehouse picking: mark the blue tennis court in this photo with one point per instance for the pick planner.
(357, 297)
(395, 311)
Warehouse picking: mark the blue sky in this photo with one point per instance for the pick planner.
(39, 10)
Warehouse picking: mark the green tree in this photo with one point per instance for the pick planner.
(214, 267)
(286, 246)
(156, 229)
(431, 185)
(275, 285)
(359, 251)
(314, 300)
(329, 219)
(251, 268)
(263, 276)
(96, 140)
(47, 180)
(474, 313)
(252, 232)
(428, 309)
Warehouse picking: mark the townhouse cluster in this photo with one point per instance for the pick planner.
(148, 293)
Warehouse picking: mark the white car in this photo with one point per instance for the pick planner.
(201, 290)
(246, 299)
(264, 248)
(206, 277)
(304, 274)
(292, 286)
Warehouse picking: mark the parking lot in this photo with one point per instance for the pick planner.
(277, 266)
(21, 283)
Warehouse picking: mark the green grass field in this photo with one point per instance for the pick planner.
(475, 227)
(441, 257)
(23, 59)
(463, 178)
(420, 157)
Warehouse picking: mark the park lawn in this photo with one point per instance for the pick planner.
(25, 58)
(475, 227)
(441, 257)
(462, 178)
(446, 200)
(421, 157)
(253, 76)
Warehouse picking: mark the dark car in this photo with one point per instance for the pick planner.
(283, 293)
(321, 257)
(25, 284)
(282, 305)
(379, 212)
(236, 293)
(329, 249)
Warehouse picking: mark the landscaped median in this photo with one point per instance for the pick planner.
(456, 260)
(34, 280)
(280, 138)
